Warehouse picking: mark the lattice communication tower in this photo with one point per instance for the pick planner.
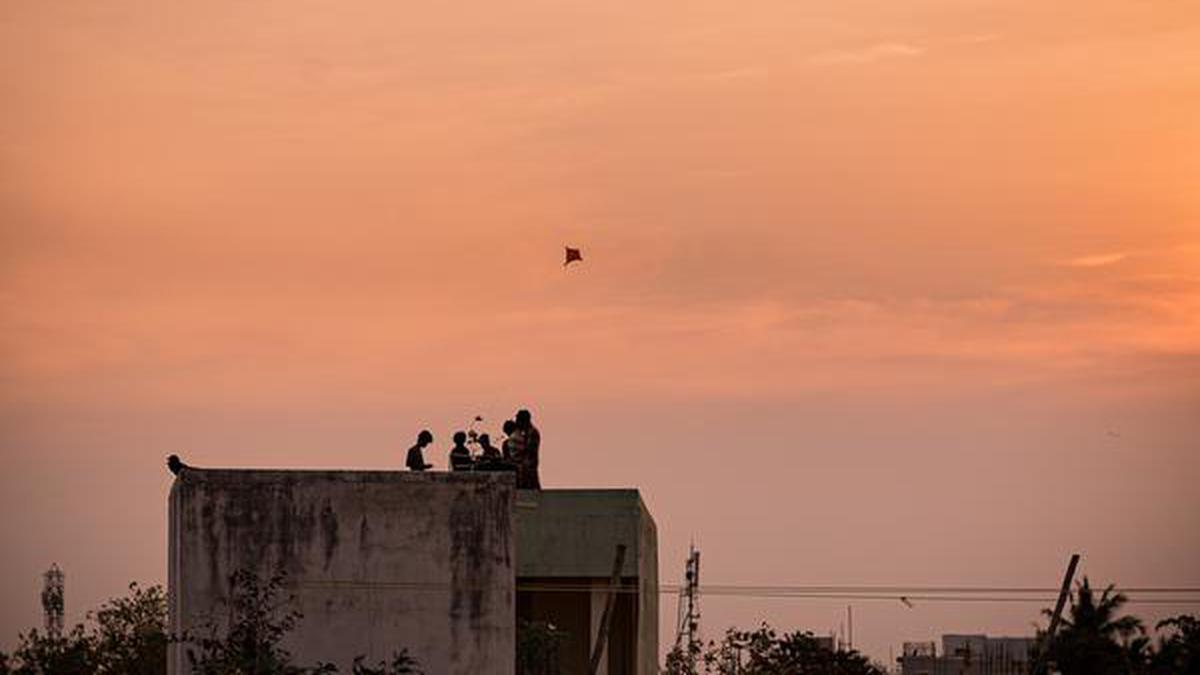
(687, 632)
(53, 600)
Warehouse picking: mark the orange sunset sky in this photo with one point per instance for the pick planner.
(874, 292)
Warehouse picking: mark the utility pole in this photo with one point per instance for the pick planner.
(606, 616)
(850, 626)
(1063, 593)
(53, 603)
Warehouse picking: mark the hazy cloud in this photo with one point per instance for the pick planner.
(975, 38)
(733, 74)
(1095, 260)
(869, 54)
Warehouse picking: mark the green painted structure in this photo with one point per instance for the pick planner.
(566, 549)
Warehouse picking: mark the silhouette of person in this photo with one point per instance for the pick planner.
(527, 461)
(460, 456)
(416, 460)
(487, 451)
(175, 464)
(507, 445)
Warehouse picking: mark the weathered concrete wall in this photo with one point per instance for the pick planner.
(377, 561)
(648, 591)
(572, 535)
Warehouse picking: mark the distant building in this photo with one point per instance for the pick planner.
(825, 642)
(969, 655)
(920, 649)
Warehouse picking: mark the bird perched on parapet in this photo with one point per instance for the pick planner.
(906, 601)
(175, 464)
(573, 255)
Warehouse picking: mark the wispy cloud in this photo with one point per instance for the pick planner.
(735, 74)
(869, 54)
(1095, 260)
(975, 38)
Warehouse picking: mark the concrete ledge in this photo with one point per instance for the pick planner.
(277, 476)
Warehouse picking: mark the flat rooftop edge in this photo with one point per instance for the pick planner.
(194, 475)
(576, 499)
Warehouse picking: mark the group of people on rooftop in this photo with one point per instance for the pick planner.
(517, 452)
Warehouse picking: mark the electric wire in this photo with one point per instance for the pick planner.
(1156, 595)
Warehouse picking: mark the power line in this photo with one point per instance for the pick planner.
(963, 594)
(709, 588)
(964, 599)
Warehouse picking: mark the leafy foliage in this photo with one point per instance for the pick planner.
(765, 652)
(250, 641)
(130, 636)
(127, 636)
(538, 644)
(38, 654)
(1179, 651)
(682, 659)
(250, 644)
(402, 663)
(1096, 639)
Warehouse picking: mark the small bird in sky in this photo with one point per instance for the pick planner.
(175, 464)
(573, 255)
(906, 601)
(1113, 434)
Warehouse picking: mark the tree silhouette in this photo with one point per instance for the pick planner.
(1179, 651)
(683, 659)
(1096, 639)
(40, 654)
(125, 636)
(402, 663)
(131, 633)
(538, 645)
(765, 652)
(250, 643)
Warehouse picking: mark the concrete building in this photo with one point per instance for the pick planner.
(969, 655)
(376, 561)
(432, 562)
(566, 548)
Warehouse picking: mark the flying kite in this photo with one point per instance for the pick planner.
(573, 255)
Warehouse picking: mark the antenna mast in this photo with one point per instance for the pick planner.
(52, 601)
(688, 628)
